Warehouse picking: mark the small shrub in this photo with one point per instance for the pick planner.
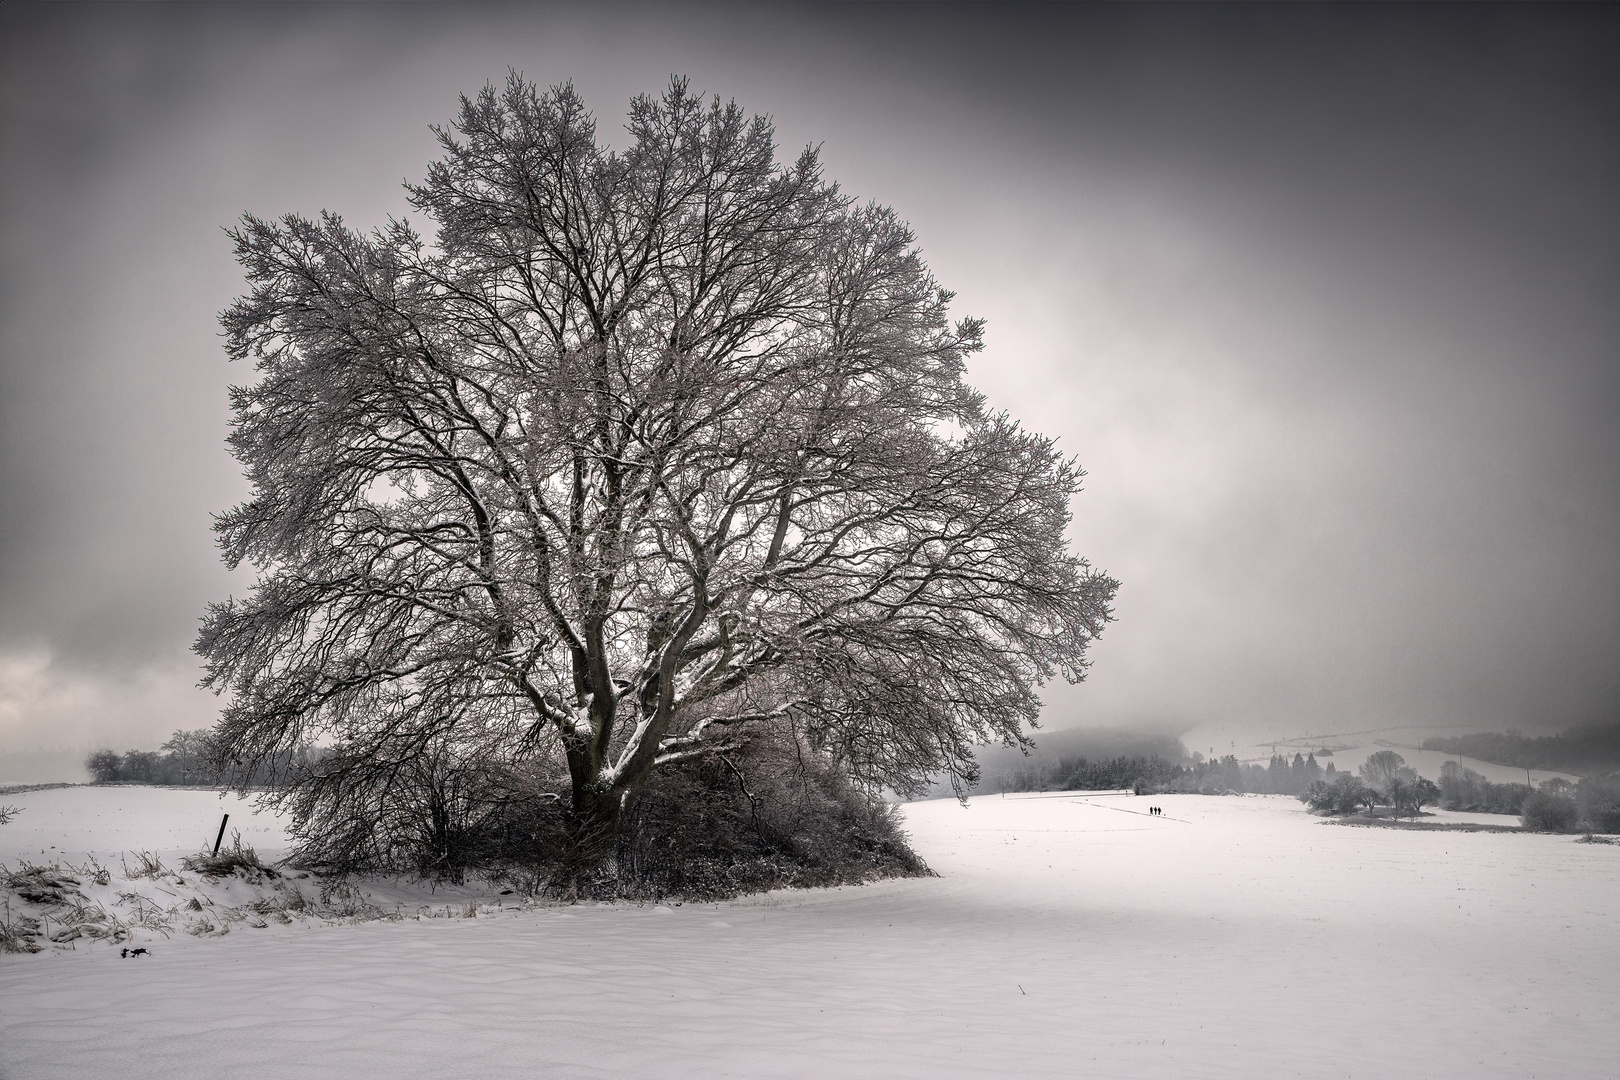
(227, 861)
(49, 886)
(146, 866)
(1549, 811)
(771, 816)
(93, 870)
(1344, 795)
(1319, 797)
(1598, 798)
(18, 933)
(103, 766)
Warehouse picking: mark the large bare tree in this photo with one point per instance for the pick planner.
(644, 449)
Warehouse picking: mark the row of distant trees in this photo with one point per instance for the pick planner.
(185, 759)
(1154, 773)
(189, 757)
(1464, 789)
(1081, 774)
(1279, 776)
(1590, 750)
(1385, 779)
(1591, 805)
(1556, 804)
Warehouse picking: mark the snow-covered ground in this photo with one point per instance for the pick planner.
(1066, 936)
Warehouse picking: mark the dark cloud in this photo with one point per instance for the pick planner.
(1321, 295)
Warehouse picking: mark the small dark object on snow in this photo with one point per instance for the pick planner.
(506, 892)
(132, 952)
(221, 835)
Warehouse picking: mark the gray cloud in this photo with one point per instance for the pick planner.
(1321, 296)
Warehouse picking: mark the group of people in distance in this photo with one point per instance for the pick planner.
(1156, 811)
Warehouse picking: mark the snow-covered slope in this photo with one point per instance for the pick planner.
(1354, 747)
(1231, 937)
(1429, 762)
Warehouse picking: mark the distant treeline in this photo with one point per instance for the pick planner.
(1465, 789)
(1279, 776)
(1555, 804)
(188, 758)
(1594, 748)
(1156, 774)
(1057, 755)
(1386, 780)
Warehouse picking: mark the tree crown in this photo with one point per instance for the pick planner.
(643, 449)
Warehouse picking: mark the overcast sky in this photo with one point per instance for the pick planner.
(1323, 298)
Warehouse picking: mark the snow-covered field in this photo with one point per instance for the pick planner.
(1066, 936)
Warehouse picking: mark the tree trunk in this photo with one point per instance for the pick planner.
(590, 842)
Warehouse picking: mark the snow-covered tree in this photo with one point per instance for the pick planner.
(1381, 769)
(185, 752)
(103, 766)
(638, 451)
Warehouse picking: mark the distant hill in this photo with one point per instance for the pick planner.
(1594, 748)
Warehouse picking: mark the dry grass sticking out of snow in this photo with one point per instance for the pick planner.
(61, 889)
(1067, 936)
